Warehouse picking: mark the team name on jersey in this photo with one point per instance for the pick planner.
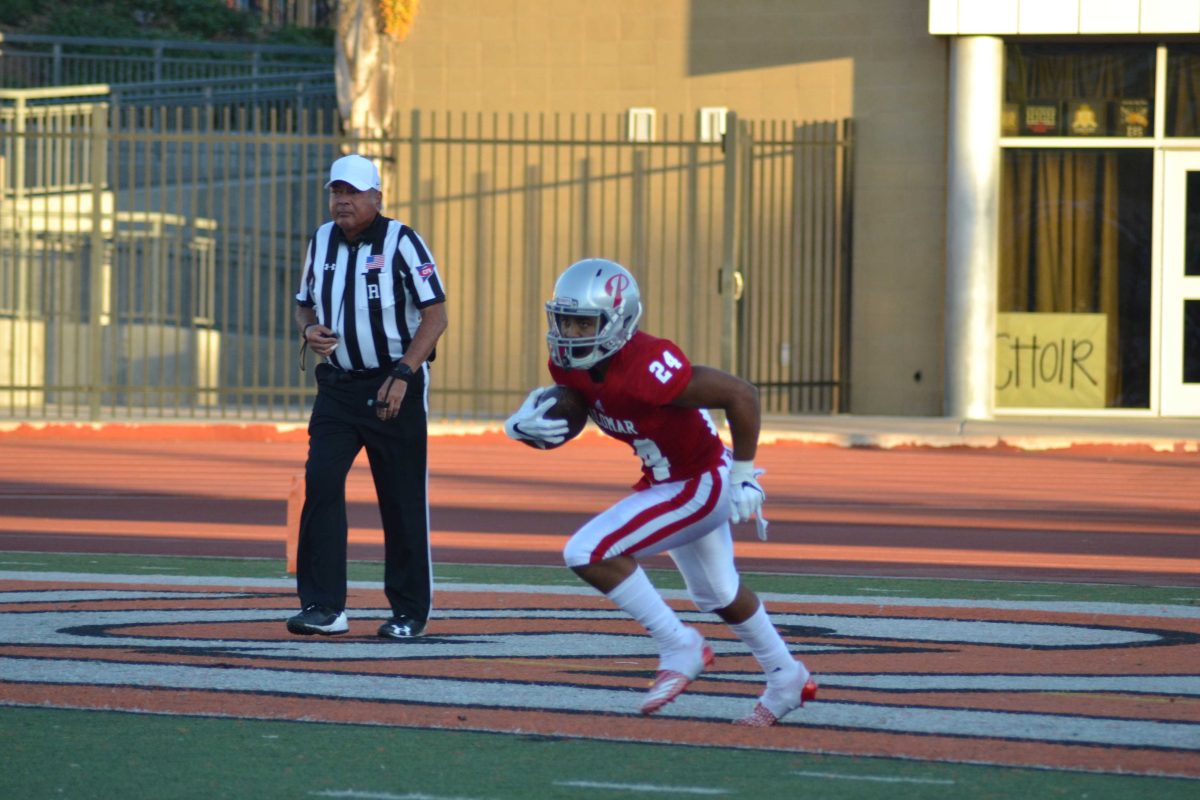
(624, 426)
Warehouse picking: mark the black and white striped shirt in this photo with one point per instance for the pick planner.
(377, 312)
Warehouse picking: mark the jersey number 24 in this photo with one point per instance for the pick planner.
(664, 372)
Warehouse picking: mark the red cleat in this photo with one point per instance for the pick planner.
(669, 684)
(774, 704)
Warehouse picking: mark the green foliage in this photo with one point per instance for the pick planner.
(14, 12)
(203, 20)
(301, 37)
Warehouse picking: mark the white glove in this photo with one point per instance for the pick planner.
(746, 496)
(529, 425)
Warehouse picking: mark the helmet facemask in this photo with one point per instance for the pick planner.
(578, 352)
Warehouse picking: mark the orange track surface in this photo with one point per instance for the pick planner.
(1102, 514)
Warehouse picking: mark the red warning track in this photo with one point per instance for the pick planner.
(1097, 513)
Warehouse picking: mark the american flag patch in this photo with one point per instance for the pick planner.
(425, 270)
(375, 262)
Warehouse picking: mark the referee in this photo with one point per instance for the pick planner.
(371, 304)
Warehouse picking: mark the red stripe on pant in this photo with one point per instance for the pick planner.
(684, 496)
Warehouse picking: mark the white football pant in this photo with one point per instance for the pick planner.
(687, 519)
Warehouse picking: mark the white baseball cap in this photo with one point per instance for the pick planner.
(355, 170)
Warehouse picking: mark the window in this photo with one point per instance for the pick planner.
(1078, 90)
(1183, 90)
(712, 123)
(1075, 240)
(1075, 270)
(640, 125)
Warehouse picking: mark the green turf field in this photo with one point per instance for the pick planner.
(56, 753)
(560, 576)
(77, 754)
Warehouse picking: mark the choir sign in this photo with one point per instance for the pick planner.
(1051, 360)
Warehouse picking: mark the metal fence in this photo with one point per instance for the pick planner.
(36, 60)
(149, 256)
(169, 75)
(793, 319)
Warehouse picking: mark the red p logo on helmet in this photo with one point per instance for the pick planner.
(614, 286)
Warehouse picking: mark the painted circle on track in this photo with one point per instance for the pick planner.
(1107, 688)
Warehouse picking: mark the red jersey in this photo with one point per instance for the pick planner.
(633, 404)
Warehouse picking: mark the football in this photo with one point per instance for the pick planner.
(569, 405)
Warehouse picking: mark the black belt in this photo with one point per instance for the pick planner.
(360, 374)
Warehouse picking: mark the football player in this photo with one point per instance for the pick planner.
(643, 391)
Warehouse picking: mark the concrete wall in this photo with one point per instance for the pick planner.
(872, 60)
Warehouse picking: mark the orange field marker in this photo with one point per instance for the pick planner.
(291, 533)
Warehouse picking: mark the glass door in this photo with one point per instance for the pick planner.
(1179, 366)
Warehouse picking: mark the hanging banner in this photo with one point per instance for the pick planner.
(1051, 360)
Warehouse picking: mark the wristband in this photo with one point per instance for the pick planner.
(402, 372)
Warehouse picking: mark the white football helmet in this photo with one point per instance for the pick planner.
(594, 287)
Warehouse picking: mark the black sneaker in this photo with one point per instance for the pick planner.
(318, 619)
(401, 627)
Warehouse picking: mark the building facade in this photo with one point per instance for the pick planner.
(1022, 181)
(1073, 278)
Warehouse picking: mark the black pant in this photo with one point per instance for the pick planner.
(341, 425)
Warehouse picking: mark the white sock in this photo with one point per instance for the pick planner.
(768, 647)
(638, 598)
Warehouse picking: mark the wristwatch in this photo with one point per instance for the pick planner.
(402, 372)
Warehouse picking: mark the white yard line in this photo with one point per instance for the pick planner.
(354, 794)
(838, 776)
(641, 787)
